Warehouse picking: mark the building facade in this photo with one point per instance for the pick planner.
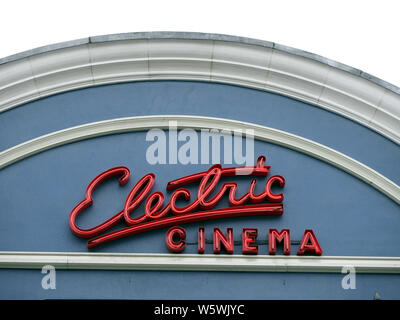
(196, 166)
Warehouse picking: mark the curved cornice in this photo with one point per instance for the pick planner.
(202, 57)
(200, 36)
(121, 125)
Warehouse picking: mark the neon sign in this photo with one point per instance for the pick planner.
(156, 215)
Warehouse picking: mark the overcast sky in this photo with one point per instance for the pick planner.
(362, 34)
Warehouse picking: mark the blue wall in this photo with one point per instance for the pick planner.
(89, 284)
(207, 99)
(37, 194)
(348, 216)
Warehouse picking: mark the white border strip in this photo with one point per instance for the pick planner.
(161, 56)
(196, 262)
(144, 123)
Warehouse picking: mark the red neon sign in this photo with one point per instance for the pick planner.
(156, 216)
(224, 241)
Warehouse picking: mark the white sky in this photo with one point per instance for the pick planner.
(362, 34)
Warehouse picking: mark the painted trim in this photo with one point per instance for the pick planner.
(202, 57)
(192, 262)
(144, 123)
(200, 36)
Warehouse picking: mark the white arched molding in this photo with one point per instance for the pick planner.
(202, 57)
(262, 133)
